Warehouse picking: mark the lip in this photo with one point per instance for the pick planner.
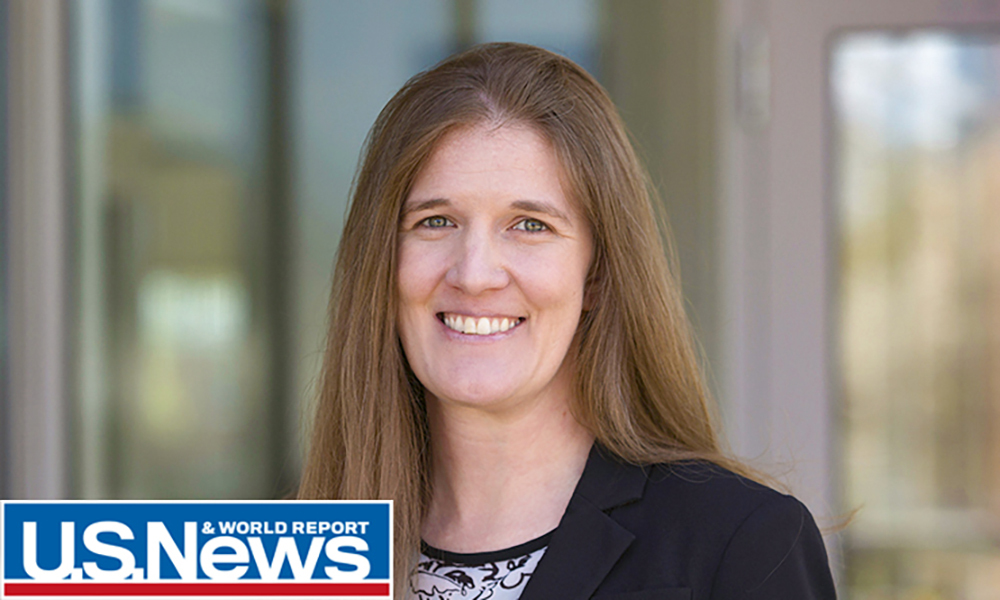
(479, 314)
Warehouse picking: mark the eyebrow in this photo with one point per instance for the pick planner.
(540, 207)
(424, 205)
(526, 205)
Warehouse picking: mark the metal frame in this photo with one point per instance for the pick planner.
(4, 285)
(36, 407)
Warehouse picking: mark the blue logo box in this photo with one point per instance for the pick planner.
(297, 549)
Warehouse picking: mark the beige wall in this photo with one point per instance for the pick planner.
(661, 67)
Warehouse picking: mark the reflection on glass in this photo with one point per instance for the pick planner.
(917, 119)
(175, 378)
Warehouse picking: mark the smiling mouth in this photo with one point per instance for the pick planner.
(479, 325)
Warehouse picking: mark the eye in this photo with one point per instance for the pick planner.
(436, 222)
(531, 226)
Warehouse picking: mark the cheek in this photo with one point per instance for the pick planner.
(420, 270)
(411, 289)
(555, 280)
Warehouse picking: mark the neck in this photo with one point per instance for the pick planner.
(499, 480)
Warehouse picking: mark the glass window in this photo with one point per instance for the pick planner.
(174, 343)
(917, 124)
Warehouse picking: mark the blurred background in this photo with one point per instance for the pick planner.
(175, 175)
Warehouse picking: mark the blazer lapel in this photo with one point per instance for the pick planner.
(588, 542)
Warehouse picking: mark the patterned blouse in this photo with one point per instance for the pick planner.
(499, 575)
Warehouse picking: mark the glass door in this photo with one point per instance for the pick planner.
(869, 190)
(917, 143)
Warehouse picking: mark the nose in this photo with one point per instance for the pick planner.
(479, 265)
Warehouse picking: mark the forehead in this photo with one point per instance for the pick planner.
(512, 161)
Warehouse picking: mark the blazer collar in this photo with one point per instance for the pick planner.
(609, 483)
(588, 541)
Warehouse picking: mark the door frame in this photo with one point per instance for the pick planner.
(780, 242)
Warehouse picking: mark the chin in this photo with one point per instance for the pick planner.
(474, 394)
(474, 398)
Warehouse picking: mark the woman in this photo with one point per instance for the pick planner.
(509, 360)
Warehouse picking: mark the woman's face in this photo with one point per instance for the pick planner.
(493, 257)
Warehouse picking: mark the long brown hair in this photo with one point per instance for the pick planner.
(639, 388)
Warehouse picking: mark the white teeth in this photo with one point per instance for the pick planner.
(470, 325)
(480, 326)
(483, 326)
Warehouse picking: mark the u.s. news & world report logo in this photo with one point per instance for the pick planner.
(291, 549)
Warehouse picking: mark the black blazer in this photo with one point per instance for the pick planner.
(689, 531)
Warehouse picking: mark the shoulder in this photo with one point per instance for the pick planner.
(726, 533)
(711, 503)
(706, 496)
